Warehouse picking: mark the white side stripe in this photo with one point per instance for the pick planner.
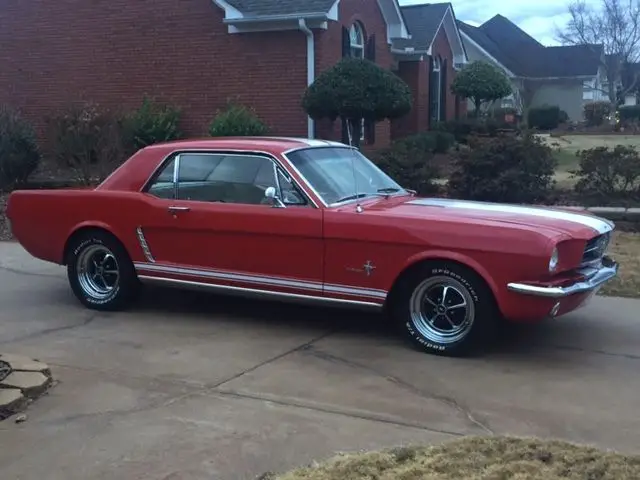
(598, 224)
(262, 280)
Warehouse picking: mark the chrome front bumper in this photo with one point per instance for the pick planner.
(595, 277)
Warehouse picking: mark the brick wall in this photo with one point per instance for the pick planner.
(416, 74)
(113, 52)
(329, 52)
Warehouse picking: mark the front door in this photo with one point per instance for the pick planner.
(210, 222)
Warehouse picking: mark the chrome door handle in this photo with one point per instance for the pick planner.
(174, 209)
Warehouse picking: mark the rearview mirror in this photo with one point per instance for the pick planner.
(271, 194)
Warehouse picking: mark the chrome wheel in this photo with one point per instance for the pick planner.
(442, 310)
(98, 271)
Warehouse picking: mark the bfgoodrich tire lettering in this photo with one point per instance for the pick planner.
(446, 309)
(100, 271)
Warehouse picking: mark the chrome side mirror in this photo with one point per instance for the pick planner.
(272, 195)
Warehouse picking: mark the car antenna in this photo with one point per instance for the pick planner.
(353, 167)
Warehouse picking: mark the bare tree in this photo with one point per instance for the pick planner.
(614, 26)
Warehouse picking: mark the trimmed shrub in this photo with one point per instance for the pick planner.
(595, 113)
(87, 140)
(237, 121)
(151, 123)
(504, 169)
(608, 172)
(630, 113)
(463, 129)
(19, 153)
(545, 117)
(432, 142)
(410, 164)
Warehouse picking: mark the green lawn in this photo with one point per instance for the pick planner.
(476, 458)
(565, 149)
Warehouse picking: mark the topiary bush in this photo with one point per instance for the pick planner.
(503, 169)
(87, 140)
(595, 113)
(546, 117)
(237, 121)
(151, 123)
(19, 152)
(606, 173)
(354, 89)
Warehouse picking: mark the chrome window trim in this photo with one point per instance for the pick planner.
(228, 151)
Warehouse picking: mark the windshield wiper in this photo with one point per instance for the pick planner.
(351, 197)
(388, 190)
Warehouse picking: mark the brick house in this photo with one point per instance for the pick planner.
(199, 54)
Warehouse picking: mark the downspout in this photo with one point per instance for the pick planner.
(311, 66)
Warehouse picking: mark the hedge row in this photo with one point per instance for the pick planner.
(513, 167)
(91, 141)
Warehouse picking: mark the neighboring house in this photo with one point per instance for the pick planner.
(567, 76)
(199, 54)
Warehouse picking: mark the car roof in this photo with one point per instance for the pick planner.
(269, 144)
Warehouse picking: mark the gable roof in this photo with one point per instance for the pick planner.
(524, 56)
(259, 8)
(423, 22)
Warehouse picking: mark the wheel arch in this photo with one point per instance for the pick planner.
(84, 228)
(419, 260)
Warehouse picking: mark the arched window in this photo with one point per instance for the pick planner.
(435, 81)
(357, 40)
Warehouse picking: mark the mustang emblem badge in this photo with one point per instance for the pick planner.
(367, 268)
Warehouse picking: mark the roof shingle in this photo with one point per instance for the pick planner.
(525, 56)
(281, 7)
(422, 22)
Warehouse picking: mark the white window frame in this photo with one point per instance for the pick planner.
(436, 68)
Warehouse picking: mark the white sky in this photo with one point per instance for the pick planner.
(539, 18)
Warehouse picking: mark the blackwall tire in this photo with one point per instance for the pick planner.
(446, 309)
(100, 272)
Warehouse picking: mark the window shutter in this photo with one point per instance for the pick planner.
(346, 52)
(370, 51)
(346, 43)
(430, 91)
(443, 90)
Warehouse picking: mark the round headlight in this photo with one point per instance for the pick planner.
(553, 261)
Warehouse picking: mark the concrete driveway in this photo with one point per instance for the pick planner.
(193, 386)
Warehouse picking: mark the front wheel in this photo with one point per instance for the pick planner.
(100, 272)
(446, 309)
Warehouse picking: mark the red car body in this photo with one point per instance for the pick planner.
(354, 252)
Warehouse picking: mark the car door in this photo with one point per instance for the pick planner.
(211, 222)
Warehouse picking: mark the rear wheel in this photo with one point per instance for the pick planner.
(446, 309)
(100, 272)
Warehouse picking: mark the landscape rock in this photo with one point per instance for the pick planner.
(11, 401)
(32, 384)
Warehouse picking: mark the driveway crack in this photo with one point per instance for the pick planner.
(448, 401)
(90, 318)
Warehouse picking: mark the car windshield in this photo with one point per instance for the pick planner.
(340, 174)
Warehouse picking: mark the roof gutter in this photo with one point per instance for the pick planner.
(311, 64)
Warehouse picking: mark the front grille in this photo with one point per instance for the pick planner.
(596, 248)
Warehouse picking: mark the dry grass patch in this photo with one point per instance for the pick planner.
(477, 458)
(625, 249)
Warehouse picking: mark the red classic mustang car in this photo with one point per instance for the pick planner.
(314, 220)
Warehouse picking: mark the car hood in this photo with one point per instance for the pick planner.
(552, 220)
